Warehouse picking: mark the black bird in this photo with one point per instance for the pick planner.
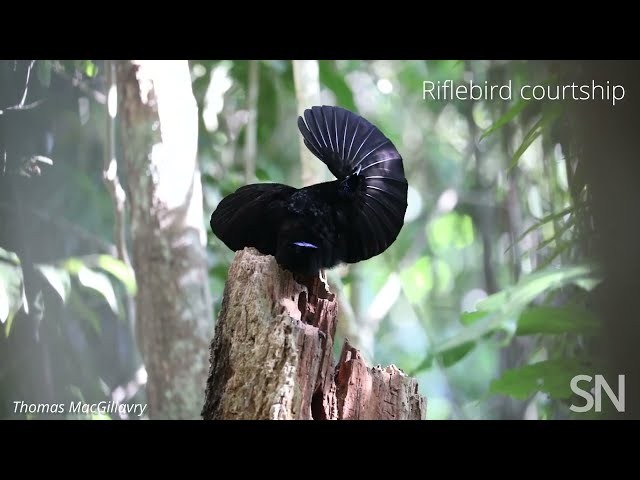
(353, 218)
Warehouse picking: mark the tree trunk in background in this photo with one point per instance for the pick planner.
(306, 76)
(607, 158)
(272, 355)
(174, 317)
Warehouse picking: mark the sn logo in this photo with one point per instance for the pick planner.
(600, 383)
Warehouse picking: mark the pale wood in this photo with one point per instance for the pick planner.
(272, 354)
(159, 122)
(377, 393)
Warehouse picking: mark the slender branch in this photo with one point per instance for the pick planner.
(251, 139)
(110, 172)
(26, 84)
(23, 107)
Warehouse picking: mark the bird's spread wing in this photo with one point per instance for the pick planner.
(350, 145)
(251, 216)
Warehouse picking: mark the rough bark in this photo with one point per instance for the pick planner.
(272, 354)
(174, 315)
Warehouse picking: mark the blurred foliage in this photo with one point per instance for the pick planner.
(67, 333)
(483, 296)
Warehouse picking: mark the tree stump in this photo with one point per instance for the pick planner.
(271, 356)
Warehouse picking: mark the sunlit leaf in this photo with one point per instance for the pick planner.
(58, 278)
(101, 284)
(9, 323)
(467, 318)
(533, 285)
(90, 68)
(556, 320)
(119, 269)
(74, 265)
(552, 377)
(417, 280)
(503, 308)
(452, 230)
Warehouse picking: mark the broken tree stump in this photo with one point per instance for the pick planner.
(271, 356)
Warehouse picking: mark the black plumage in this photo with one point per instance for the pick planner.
(353, 218)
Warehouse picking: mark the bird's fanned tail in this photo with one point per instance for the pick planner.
(352, 147)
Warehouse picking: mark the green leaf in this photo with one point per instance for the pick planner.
(518, 107)
(503, 308)
(101, 284)
(58, 278)
(119, 269)
(90, 68)
(454, 355)
(551, 376)
(424, 365)
(533, 285)
(553, 320)
(447, 357)
(467, 318)
(417, 280)
(73, 265)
